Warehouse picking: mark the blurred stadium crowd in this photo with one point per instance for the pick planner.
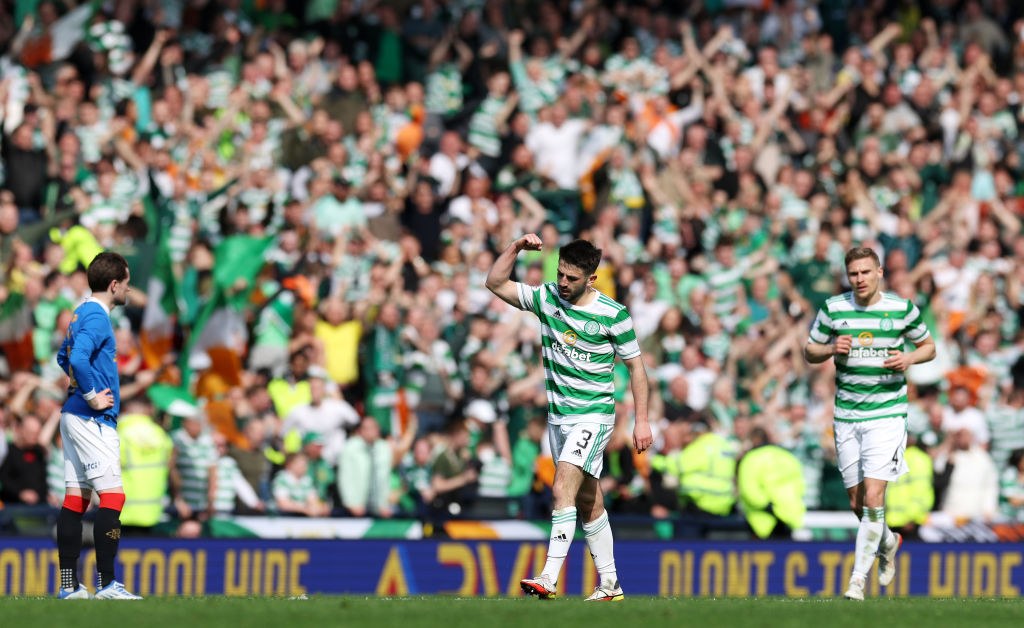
(311, 192)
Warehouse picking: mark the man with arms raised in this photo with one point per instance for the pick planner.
(583, 330)
(866, 330)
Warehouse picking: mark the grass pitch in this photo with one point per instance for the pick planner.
(453, 612)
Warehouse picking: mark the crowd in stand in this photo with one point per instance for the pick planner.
(723, 155)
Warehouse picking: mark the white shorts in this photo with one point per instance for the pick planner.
(92, 453)
(581, 445)
(871, 449)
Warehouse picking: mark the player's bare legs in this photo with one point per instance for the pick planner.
(590, 500)
(867, 500)
(568, 479)
(590, 507)
(869, 493)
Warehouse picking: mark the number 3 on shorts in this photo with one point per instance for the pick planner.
(583, 442)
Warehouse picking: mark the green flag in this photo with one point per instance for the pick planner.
(173, 400)
(238, 257)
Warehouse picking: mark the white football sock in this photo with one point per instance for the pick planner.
(888, 538)
(600, 542)
(869, 535)
(563, 527)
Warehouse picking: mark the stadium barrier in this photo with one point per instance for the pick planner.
(835, 526)
(244, 567)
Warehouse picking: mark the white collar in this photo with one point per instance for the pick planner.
(101, 303)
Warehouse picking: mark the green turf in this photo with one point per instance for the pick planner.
(451, 612)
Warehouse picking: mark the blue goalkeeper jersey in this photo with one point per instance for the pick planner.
(89, 356)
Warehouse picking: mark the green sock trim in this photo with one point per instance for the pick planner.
(874, 514)
(565, 515)
(594, 531)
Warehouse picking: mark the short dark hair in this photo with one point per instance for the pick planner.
(52, 277)
(862, 252)
(454, 427)
(759, 436)
(725, 240)
(582, 255)
(1015, 457)
(291, 457)
(104, 268)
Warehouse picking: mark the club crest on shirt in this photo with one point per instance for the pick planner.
(886, 324)
(592, 327)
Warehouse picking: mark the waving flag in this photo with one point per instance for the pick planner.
(220, 324)
(156, 336)
(16, 333)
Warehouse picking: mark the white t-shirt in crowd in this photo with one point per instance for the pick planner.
(556, 151)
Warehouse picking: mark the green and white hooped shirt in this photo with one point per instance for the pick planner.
(579, 349)
(865, 389)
